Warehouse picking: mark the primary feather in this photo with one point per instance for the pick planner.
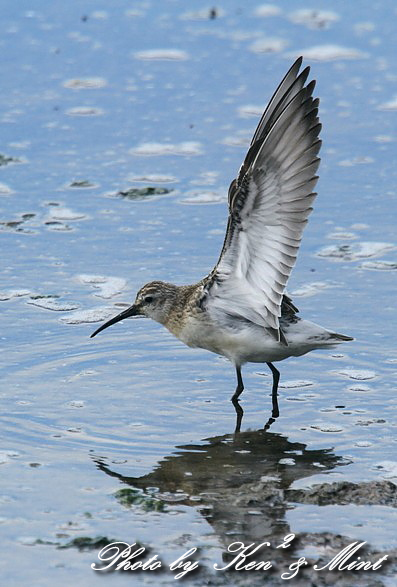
(269, 204)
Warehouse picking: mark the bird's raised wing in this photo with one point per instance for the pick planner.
(269, 203)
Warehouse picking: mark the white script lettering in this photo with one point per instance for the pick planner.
(123, 552)
(239, 561)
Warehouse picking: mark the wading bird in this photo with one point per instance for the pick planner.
(240, 310)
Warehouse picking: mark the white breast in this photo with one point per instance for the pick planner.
(240, 345)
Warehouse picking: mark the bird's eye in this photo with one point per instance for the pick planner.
(148, 299)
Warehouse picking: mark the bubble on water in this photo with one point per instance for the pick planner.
(13, 293)
(313, 18)
(106, 287)
(326, 427)
(203, 197)
(7, 455)
(389, 105)
(356, 161)
(162, 55)
(239, 140)
(364, 27)
(89, 316)
(356, 251)
(27, 540)
(99, 15)
(295, 383)
(5, 190)
(359, 374)
(134, 13)
(286, 461)
(76, 403)
(152, 178)
(206, 178)
(52, 303)
(359, 226)
(266, 10)
(342, 235)
(269, 45)
(87, 83)
(61, 213)
(370, 421)
(361, 387)
(387, 468)
(58, 226)
(310, 289)
(83, 373)
(81, 184)
(186, 148)
(329, 53)
(379, 265)
(84, 111)
(250, 110)
(384, 139)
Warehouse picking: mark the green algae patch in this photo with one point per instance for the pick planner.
(142, 193)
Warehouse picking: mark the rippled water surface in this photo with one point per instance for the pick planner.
(122, 126)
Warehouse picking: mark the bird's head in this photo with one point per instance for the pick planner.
(154, 300)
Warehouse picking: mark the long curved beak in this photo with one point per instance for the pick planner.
(131, 311)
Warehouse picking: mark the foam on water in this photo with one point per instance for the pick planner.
(105, 287)
(62, 213)
(356, 251)
(389, 105)
(6, 295)
(313, 18)
(159, 149)
(88, 83)
(162, 55)
(84, 111)
(203, 197)
(98, 314)
(329, 52)
(152, 178)
(269, 45)
(310, 289)
(52, 303)
(360, 375)
(267, 10)
(293, 384)
(380, 265)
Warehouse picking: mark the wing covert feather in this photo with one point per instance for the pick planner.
(269, 204)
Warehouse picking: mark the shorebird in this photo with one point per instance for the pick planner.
(241, 310)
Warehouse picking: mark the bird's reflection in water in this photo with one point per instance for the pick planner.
(240, 413)
(238, 482)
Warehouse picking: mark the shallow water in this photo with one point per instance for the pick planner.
(95, 101)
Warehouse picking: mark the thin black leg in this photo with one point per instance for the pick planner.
(235, 401)
(240, 384)
(239, 415)
(276, 379)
